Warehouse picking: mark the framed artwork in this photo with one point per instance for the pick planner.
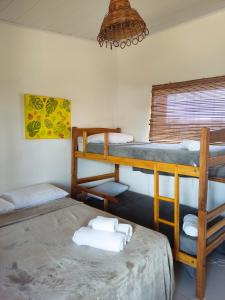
(47, 117)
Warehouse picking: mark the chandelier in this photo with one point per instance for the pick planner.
(122, 26)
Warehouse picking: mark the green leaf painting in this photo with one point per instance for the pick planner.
(36, 102)
(33, 128)
(47, 117)
(48, 123)
(51, 105)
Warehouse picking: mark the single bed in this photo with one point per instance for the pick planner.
(39, 260)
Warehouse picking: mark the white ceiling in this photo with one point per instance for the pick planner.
(82, 18)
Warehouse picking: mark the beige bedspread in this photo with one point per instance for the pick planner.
(39, 261)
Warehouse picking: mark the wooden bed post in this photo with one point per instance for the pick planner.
(176, 214)
(156, 198)
(117, 173)
(74, 162)
(202, 214)
(117, 166)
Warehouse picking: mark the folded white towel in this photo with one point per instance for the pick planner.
(111, 225)
(110, 241)
(103, 223)
(190, 145)
(190, 225)
(190, 217)
(126, 229)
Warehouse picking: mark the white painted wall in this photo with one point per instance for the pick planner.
(189, 51)
(108, 88)
(43, 63)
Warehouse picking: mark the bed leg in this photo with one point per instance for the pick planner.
(74, 185)
(106, 204)
(83, 196)
(74, 163)
(200, 280)
(117, 173)
(201, 256)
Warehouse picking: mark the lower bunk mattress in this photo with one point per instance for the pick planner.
(139, 208)
(39, 261)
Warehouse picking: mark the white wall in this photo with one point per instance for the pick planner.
(108, 88)
(189, 51)
(43, 63)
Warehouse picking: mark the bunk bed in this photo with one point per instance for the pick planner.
(209, 237)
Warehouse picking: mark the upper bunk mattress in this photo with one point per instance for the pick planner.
(168, 153)
(39, 261)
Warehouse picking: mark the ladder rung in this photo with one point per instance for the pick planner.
(166, 199)
(166, 222)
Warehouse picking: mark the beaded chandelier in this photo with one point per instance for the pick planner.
(122, 26)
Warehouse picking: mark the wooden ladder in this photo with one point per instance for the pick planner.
(157, 198)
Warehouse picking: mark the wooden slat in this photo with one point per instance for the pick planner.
(156, 198)
(95, 178)
(166, 199)
(222, 180)
(186, 259)
(215, 228)
(215, 212)
(84, 141)
(102, 195)
(216, 161)
(166, 222)
(106, 144)
(181, 169)
(215, 243)
(91, 131)
(176, 214)
(144, 164)
(217, 136)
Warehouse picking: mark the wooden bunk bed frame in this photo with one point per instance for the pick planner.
(207, 137)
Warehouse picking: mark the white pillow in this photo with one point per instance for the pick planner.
(114, 138)
(34, 195)
(6, 206)
(191, 145)
(110, 188)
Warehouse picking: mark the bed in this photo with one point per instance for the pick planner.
(206, 164)
(39, 260)
(167, 153)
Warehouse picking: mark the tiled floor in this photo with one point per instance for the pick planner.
(215, 285)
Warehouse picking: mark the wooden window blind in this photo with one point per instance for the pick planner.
(180, 110)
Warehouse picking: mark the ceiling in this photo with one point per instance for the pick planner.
(82, 18)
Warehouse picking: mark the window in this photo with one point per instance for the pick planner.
(179, 110)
